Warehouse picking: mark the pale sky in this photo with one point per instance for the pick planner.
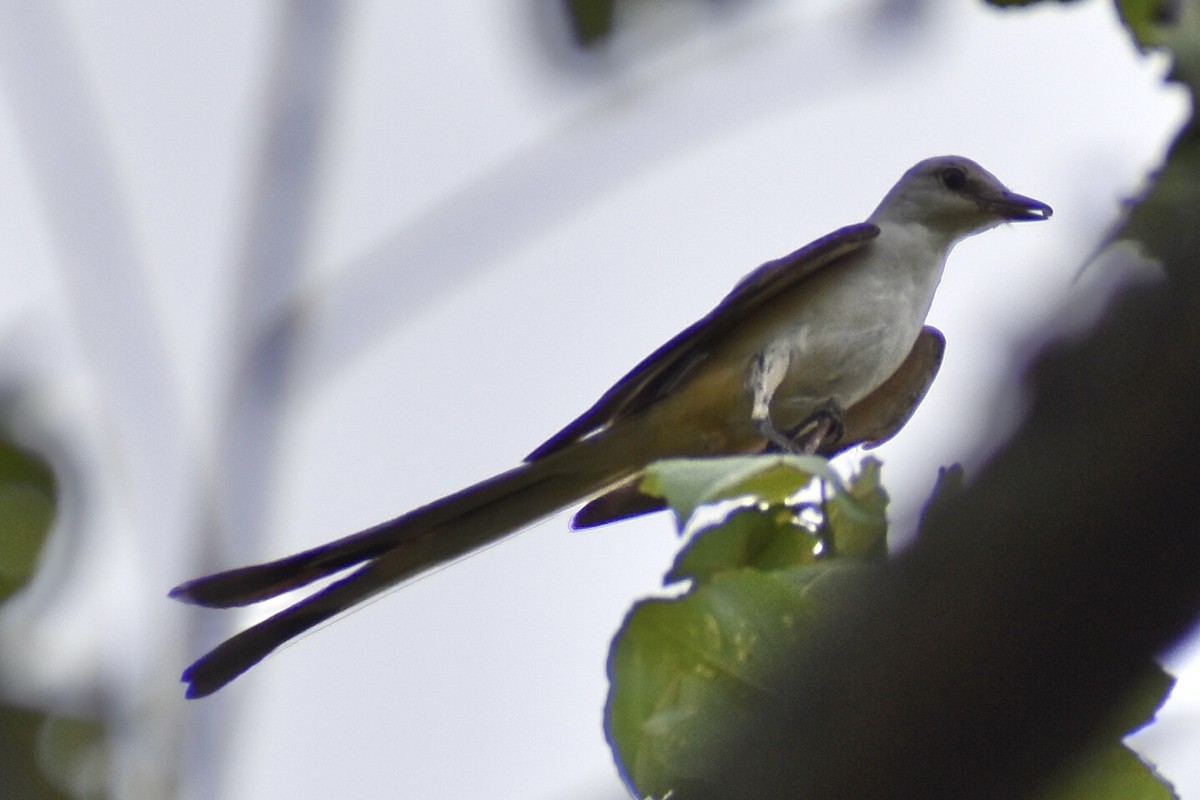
(498, 231)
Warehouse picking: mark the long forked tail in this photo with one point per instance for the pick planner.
(247, 585)
(406, 546)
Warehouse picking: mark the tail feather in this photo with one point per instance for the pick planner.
(246, 585)
(242, 651)
(432, 535)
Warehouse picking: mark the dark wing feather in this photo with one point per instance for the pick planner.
(663, 369)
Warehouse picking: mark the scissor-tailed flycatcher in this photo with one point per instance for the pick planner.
(814, 352)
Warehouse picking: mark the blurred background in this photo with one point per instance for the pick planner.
(271, 272)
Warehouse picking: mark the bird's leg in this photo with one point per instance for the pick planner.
(777, 440)
(824, 534)
(767, 371)
(824, 425)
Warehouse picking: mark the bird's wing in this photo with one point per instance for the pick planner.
(662, 370)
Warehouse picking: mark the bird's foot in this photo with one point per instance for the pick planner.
(822, 428)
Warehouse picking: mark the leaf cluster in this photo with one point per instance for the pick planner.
(774, 543)
(43, 756)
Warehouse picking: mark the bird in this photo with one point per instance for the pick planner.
(815, 352)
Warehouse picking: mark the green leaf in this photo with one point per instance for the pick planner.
(765, 539)
(591, 20)
(1148, 20)
(1110, 772)
(27, 493)
(1167, 24)
(1139, 707)
(771, 530)
(950, 484)
(684, 670)
(687, 483)
(857, 518)
(73, 754)
(43, 756)
(53, 758)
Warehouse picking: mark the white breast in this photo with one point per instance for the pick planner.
(853, 324)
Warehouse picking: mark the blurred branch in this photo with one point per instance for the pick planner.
(275, 251)
(610, 145)
(591, 20)
(115, 327)
(114, 319)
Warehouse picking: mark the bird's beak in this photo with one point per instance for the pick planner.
(1015, 207)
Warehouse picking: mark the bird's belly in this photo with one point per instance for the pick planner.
(845, 369)
(847, 357)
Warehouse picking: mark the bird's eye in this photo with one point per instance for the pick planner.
(954, 178)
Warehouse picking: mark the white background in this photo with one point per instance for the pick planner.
(485, 230)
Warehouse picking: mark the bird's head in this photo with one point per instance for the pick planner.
(955, 197)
